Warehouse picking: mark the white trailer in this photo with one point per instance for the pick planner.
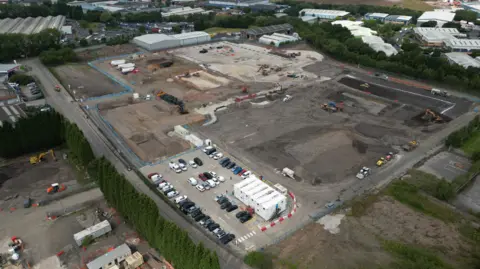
(127, 70)
(117, 62)
(94, 231)
(125, 65)
(287, 172)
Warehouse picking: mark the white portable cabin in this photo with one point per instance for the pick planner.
(257, 189)
(127, 70)
(125, 65)
(117, 62)
(259, 195)
(94, 231)
(267, 209)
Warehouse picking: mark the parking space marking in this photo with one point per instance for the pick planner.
(7, 111)
(14, 110)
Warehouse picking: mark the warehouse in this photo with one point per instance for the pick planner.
(376, 16)
(192, 38)
(31, 25)
(462, 59)
(235, 3)
(355, 28)
(323, 14)
(277, 39)
(462, 45)
(94, 231)
(183, 11)
(154, 42)
(398, 19)
(440, 17)
(377, 44)
(266, 201)
(111, 258)
(255, 33)
(435, 37)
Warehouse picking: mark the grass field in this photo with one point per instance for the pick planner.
(472, 145)
(416, 5)
(220, 30)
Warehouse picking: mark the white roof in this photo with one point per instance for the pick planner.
(472, 4)
(154, 38)
(266, 191)
(245, 182)
(183, 11)
(463, 43)
(377, 44)
(91, 229)
(378, 15)
(311, 11)
(262, 200)
(274, 201)
(355, 28)
(67, 29)
(432, 34)
(190, 35)
(462, 59)
(308, 18)
(113, 9)
(436, 16)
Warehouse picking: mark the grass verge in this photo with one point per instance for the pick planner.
(411, 257)
(472, 145)
(221, 30)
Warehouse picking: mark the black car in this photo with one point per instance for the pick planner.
(222, 200)
(187, 205)
(207, 222)
(195, 212)
(224, 160)
(241, 214)
(231, 208)
(210, 151)
(231, 165)
(221, 234)
(225, 164)
(200, 217)
(227, 238)
(184, 201)
(245, 218)
(182, 161)
(213, 227)
(198, 161)
(208, 175)
(225, 205)
(210, 224)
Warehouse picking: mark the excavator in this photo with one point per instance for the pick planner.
(431, 116)
(41, 157)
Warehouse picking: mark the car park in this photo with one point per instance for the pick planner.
(198, 161)
(172, 194)
(192, 181)
(192, 164)
(200, 187)
(232, 208)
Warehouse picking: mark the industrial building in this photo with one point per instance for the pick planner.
(435, 37)
(472, 6)
(323, 14)
(183, 11)
(256, 33)
(154, 42)
(236, 3)
(462, 45)
(376, 16)
(94, 231)
(355, 28)
(265, 200)
(462, 59)
(30, 25)
(398, 19)
(277, 39)
(440, 17)
(377, 44)
(111, 258)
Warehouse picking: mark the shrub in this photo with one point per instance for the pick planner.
(21, 79)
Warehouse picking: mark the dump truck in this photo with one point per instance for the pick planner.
(40, 157)
(287, 172)
(410, 145)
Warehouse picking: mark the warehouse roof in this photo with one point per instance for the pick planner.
(338, 13)
(355, 27)
(183, 11)
(436, 16)
(31, 25)
(109, 256)
(153, 38)
(432, 34)
(398, 18)
(378, 15)
(462, 59)
(269, 29)
(5, 68)
(190, 35)
(463, 43)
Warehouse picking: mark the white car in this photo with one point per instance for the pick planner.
(180, 198)
(172, 194)
(211, 183)
(200, 187)
(246, 174)
(221, 179)
(363, 173)
(205, 149)
(175, 167)
(163, 184)
(192, 164)
(218, 156)
(167, 187)
(213, 174)
(182, 166)
(192, 181)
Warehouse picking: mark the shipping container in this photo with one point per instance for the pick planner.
(117, 62)
(95, 231)
(125, 65)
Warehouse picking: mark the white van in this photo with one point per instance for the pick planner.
(192, 181)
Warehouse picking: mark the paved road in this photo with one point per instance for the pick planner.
(64, 104)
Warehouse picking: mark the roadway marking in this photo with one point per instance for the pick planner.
(14, 110)
(7, 111)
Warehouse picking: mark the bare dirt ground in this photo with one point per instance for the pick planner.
(86, 81)
(145, 126)
(107, 51)
(19, 180)
(358, 242)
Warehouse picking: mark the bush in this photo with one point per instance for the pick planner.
(87, 241)
(260, 260)
(21, 79)
(57, 57)
(410, 257)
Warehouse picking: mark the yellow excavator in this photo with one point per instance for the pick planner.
(39, 158)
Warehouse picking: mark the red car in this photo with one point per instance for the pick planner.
(151, 175)
(202, 177)
(241, 172)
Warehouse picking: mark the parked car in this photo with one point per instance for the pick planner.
(213, 174)
(205, 218)
(241, 214)
(195, 213)
(207, 222)
(221, 179)
(198, 161)
(202, 177)
(163, 184)
(206, 149)
(168, 189)
(237, 170)
(213, 227)
(222, 161)
(206, 185)
(241, 172)
(180, 198)
(187, 204)
(246, 174)
(220, 234)
(226, 164)
(222, 200)
(232, 208)
(172, 194)
(175, 167)
(245, 218)
(210, 151)
(226, 239)
(218, 156)
(200, 187)
(199, 217)
(182, 161)
(211, 183)
(208, 175)
(231, 165)
(192, 181)
(182, 166)
(225, 205)
(193, 164)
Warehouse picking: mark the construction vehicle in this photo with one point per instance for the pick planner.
(431, 116)
(381, 161)
(55, 187)
(410, 145)
(41, 157)
(365, 85)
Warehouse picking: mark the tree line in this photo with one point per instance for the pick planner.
(58, 57)
(142, 212)
(15, 46)
(461, 136)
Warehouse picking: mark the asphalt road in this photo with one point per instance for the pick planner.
(64, 104)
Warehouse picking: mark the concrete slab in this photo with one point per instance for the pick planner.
(446, 165)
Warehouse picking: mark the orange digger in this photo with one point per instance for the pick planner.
(55, 187)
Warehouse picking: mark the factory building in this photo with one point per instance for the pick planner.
(398, 19)
(31, 25)
(377, 44)
(267, 202)
(236, 3)
(435, 37)
(462, 59)
(277, 39)
(183, 11)
(256, 33)
(376, 16)
(323, 14)
(111, 258)
(154, 42)
(440, 17)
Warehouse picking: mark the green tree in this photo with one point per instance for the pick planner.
(429, 24)
(142, 29)
(83, 42)
(106, 17)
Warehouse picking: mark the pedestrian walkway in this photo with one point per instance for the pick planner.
(245, 237)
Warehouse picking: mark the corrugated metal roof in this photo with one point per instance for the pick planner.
(327, 12)
(378, 15)
(109, 257)
(190, 35)
(153, 38)
(436, 16)
(269, 29)
(462, 59)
